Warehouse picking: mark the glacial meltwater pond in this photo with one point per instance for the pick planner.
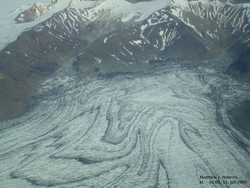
(166, 127)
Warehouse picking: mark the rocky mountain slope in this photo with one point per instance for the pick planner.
(100, 37)
(36, 11)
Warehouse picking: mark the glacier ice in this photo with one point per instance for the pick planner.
(165, 127)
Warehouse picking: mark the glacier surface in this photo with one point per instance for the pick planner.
(162, 128)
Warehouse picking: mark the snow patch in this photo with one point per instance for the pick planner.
(137, 42)
(114, 56)
(98, 60)
(127, 50)
(105, 40)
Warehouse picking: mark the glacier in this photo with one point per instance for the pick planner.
(165, 127)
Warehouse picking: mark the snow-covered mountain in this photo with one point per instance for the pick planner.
(105, 36)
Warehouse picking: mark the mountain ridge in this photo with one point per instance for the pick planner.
(111, 36)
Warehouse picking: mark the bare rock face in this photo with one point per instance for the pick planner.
(36, 11)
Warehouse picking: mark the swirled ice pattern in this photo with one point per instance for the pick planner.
(162, 128)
